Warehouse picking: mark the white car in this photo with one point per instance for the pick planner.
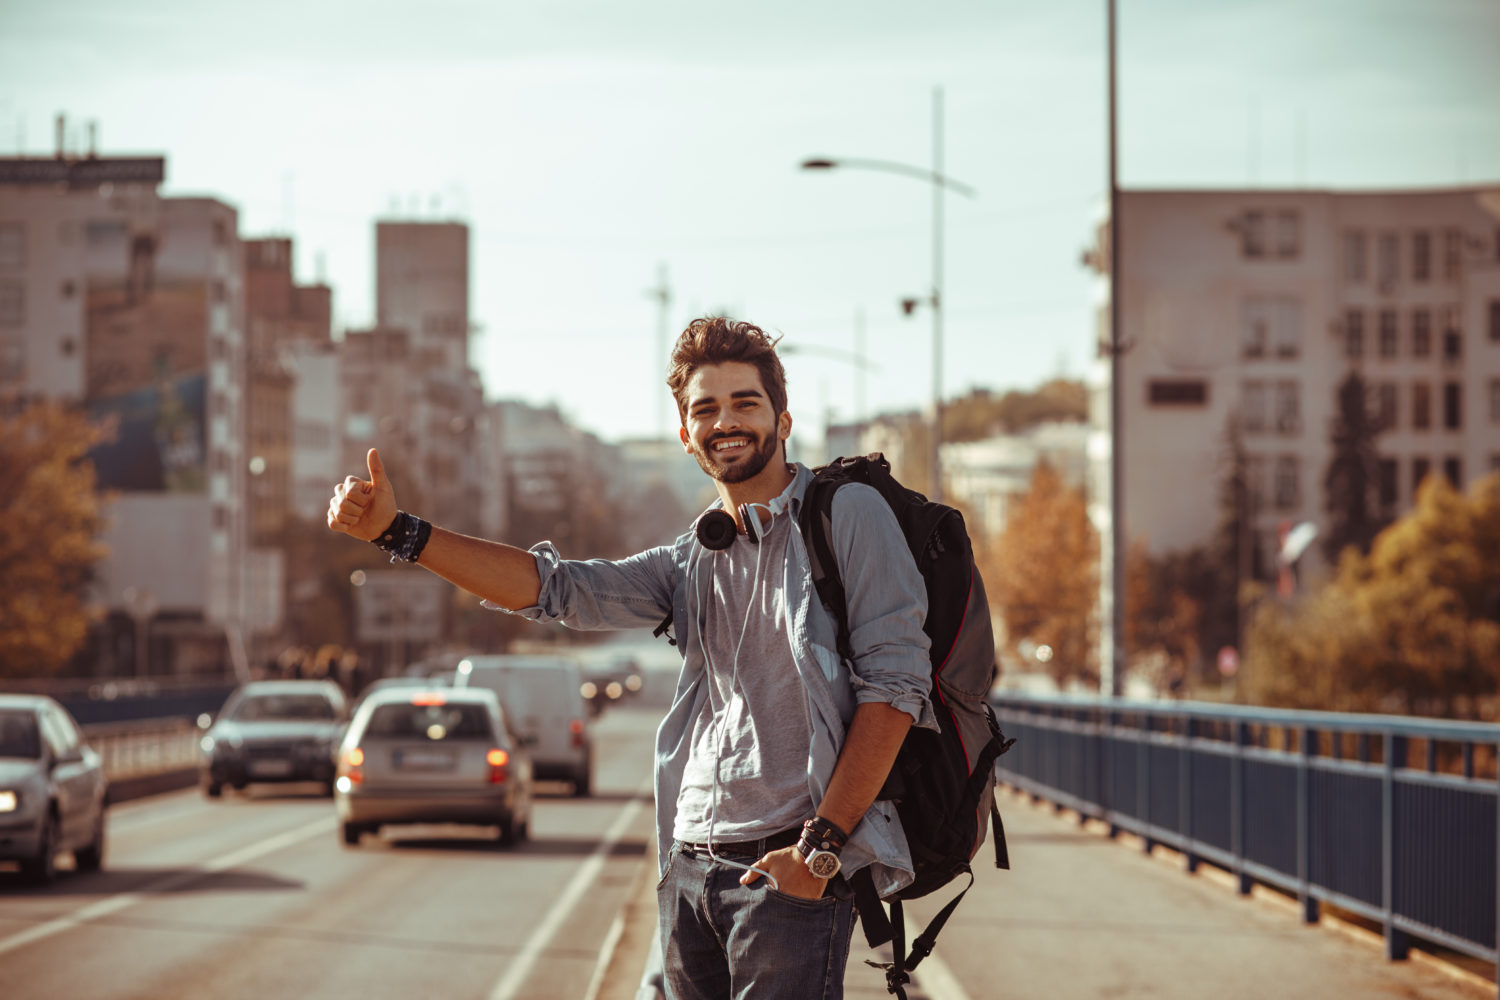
(438, 755)
(544, 696)
(52, 788)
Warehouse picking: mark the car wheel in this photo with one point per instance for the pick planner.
(43, 867)
(90, 858)
(581, 783)
(351, 833)
(507, 826)
(327, 789)
(211, 789)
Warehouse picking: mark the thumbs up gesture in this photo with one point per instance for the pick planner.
(363, 508)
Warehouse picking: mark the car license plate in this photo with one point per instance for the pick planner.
(270, 768)
(424, 760)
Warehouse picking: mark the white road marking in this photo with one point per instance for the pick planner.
(116, 903)
(520, 967)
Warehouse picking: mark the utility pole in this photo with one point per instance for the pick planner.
(1112, 683)
(662, 293)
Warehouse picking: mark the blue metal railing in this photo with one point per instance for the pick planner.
(1325, 805)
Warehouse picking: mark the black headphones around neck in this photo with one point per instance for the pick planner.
(716, 528)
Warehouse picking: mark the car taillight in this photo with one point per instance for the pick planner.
(576, 728)
(499, 771)
(351, 766)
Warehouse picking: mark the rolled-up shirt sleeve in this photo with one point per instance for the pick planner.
(600, 593)
(887, 605)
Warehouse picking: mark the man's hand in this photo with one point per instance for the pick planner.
(791, 874)
(363, 508)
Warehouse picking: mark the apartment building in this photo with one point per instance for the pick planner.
(131, 304)
(1247, 309)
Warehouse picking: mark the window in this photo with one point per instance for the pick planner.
(1288, 234)
(12, 303)
(1495, 400)
(1453, 396)
(1286, 481)
(12, 361)
(1288, 412)
(1255, 474)
(1253, 407)
(1421, 256)
(1286, 331)
(1177, 392)
(1453, 243)
(12, 246)
(1256, 327)
(1453, 471)
(1253, 235)
(1420, 467)
(220, 517)
(1421, 333)
(1421, 406)
(1494, 321)
(1270, 324)
(101, 231)
(1385, 405)
(1386, 253)
(1354, 334)
(1387, 482)
(1387, 333)
(1354, 256)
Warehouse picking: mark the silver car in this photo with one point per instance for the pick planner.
(441, 755)
(52, 788)
(273, 731)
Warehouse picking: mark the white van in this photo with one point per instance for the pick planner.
(544, 699)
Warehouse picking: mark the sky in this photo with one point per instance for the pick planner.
(594, 146)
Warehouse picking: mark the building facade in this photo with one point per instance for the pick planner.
(1243, 312)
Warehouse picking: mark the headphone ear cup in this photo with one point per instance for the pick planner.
(715, 530)
(751, 521)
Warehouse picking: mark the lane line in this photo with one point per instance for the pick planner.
(114, 904)
(526, 957)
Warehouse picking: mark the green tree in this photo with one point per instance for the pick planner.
(1044, 571)
(50, 519)
(1412, 627)
(1350, 482)
(1165, 604)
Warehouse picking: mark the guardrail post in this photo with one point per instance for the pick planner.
(1397, 943)
(1237, 807)
(1143, 781)
(1185, 794)
(1304, 825)
(1106, 761)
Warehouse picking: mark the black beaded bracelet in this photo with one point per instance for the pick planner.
(404, 538)
(818, 834)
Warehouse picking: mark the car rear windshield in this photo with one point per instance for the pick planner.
(265, 707)
(19, 736)
(431, 722)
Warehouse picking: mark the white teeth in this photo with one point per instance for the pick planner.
(730, 444)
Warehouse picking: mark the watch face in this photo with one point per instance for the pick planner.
(823, 864)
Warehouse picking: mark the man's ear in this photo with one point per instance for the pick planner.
(687, 443)
(784, 425)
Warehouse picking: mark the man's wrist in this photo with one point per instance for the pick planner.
(404, 538)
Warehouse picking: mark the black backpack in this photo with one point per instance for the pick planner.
(943, 782)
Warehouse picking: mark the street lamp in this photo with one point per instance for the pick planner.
(940, 183)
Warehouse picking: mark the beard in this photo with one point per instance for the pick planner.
(762, 450)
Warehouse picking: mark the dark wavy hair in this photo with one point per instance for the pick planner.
(717, 340)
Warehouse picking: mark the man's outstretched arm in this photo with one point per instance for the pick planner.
(503, 574)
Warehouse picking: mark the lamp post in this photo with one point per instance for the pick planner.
(940, 184)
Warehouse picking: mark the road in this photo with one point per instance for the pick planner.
(253, 896)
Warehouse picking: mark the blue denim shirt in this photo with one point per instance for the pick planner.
(887, 605)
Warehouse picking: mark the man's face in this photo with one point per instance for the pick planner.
(729, 426)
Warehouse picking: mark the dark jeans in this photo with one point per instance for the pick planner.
(726, 941)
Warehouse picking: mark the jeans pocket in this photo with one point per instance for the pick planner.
(823, 902)
(667, 871)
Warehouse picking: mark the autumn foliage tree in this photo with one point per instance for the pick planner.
(1043, 574)
(1412, 627)
(50, 519)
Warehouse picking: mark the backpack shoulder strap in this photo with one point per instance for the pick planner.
(816, 521)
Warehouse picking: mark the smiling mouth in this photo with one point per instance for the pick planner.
(730, 444)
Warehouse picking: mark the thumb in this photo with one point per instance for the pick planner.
(377, 470)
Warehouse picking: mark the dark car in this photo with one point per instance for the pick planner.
(274, 731)
(52, 788)
(443, 755)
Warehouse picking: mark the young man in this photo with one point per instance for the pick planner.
(770, 758)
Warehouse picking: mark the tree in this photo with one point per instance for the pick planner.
(1163, 627)
(1045, 576)
(1414, 626)
(50, 519)
(1350, 482)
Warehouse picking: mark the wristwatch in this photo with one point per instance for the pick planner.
(823, 864)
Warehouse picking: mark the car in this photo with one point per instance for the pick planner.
(273, 731)
(544, 696)
(52, 788)
(439, 755)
